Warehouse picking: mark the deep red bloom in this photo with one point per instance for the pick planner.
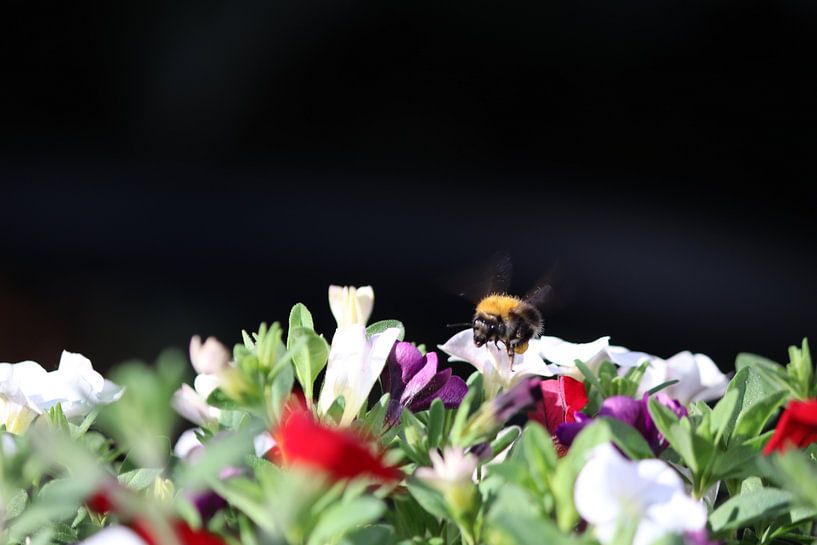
(561, 399)
(797, 427)
(184, 534)
(342, 454)
(100, 503)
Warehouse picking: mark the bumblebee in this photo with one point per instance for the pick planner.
(506, 319)
(500, 317)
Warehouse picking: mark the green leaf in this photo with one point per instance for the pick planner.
(429, 498)
(771, 374)
(376, 534)
(469, 404)
(279, 391)
(795, 471)
(753, 419)
(726, 412)
(373, 421)
(221, 400)
(589, 376)
(746, 509)
(656, 389)
(341, 518)
(800, 369)
(299, 316)
(505, 439)
(139, 479)
(539, 452)
(677, 436)
(16, 504)
(383, 325)
(310, 352)
(140, 421)
(436, 423)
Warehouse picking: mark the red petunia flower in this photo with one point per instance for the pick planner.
(106, 500)
(184, 534)
(342, 454)
(561, 400)
(797, 427)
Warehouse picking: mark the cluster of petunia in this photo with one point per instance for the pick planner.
(369, 438)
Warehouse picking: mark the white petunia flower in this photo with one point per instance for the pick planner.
(263, 443)
(187, 444)
(17, 411)
(351, 305)
(498, 372)
(27, 390)
(114, 535)
(699, 379)
(210, 359)
(355, 363)
(8, 445)
(562, 355)
(193, 406)
(611, 490)
(77, 387)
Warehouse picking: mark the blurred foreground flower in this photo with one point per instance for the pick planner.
(496, 367)
(27, 390)
(412, 381)
(452, 474)
(112, 497)
(797, 427)
(612, 492)
(631, 411)
(495, 413)
(210, 360)
(562, 398)
(341, 454)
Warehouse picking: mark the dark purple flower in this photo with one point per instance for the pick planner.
(413, 381)
(207, 502)
(631, 411)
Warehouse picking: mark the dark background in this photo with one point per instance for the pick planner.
(172, 168)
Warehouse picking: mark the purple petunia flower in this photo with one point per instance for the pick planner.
(630, 411)
(413, 382)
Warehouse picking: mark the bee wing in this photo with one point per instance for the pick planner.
(550, 292)
(476, 283)
(539, 295)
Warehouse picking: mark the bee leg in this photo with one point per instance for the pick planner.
(510, 355)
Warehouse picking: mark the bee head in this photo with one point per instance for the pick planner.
(485, 330)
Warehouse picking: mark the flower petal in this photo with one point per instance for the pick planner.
(565, 354)
(421, 380)
(116, 535)
(192, 406)
(209, 357)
